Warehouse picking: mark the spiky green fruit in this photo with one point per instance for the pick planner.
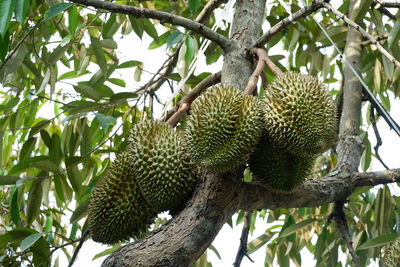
(392, 255)
(300, 114)
(223, 128)
(117, 209)
(165, 172)
(278, 169)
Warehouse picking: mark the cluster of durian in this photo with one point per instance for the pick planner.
(392, 255)
(293, 124)
(300, 121)
(154, 174)
(279, 137)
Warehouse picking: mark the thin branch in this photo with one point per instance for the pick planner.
(283, 24)
(378, 138)
(64, 245)
(378, 38)
(78, 248)
(390, 4)
(164, 17)
(208, 9)
(382, 9)
(340, 219)
(262, 61)
(184, 104)
(261, 54)
(363, 33)
(242, 251)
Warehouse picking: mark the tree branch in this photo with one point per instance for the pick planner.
(341, 223)
(216, 199)
(390, 4)
(242, 251)
(363, 32)
(382, 9)
(164, 17)
(184, 104)
(208, 9)
(305, 11)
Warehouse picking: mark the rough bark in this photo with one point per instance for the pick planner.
(246, 28)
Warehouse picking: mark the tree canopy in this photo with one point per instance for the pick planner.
(66, 112)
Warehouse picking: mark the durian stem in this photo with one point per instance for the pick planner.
(242, 251)
(263, 60)
(184, 104)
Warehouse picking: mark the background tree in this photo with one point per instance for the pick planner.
(50, 165)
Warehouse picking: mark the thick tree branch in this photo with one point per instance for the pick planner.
(216, 199)
(283, 24)
(185, 103)
(164, 17)
(363, 32)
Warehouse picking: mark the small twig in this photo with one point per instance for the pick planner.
(184, 104)
(283, 24)
(242, 251)
(390, 4)
(339, 217)
(64, 245)
(376, 4)
(164, 17)
(264, 56)
(252, 83)
(363, 33)
(78, 248)
(378, 138)
(378, 38)
(208, 9)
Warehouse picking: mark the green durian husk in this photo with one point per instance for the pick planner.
(166, 174)
(117, 209)
(391, 257)
(278, 169)
(223, 128)
(300, 114)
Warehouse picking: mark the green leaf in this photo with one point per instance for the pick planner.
(105, 121)
(123, 95)
(106, 252)
(73, 19)
(29, 241)
(190, 48)
(88, 91)
(295, 227)
(260, 241)
(149, 28)
(137, 26)
(15, 236)
(174, 38)
(9, 180)
(110, 27)
(211, 247)
(378, 241)
(129, 64)
(138, 73)
(14, 210)
(21, 8)
(4, 42)
(27, 148)
(34, 201)
(56, 9)
(118, 82)
(80, 212)
(194, 5)
(6, 10)
(99, 53)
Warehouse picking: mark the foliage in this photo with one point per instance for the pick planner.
(65, 113)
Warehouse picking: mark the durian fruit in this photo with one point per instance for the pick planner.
(165, 172)
(117, 209)
(223, 128)
(300, 114)
(392, 255)
(277, 168)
